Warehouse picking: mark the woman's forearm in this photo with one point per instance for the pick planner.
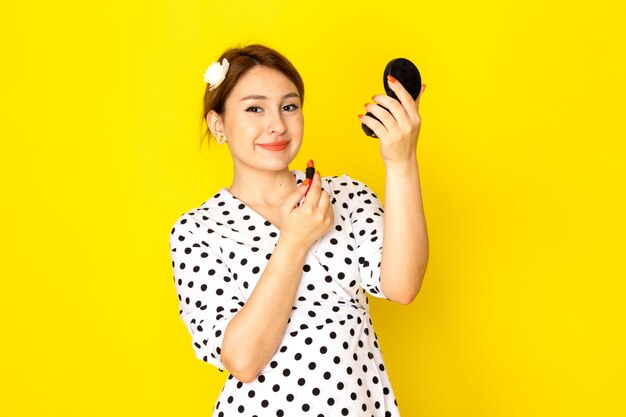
(253, 334)
(405, 241)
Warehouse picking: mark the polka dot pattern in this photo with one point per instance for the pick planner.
(329, 362)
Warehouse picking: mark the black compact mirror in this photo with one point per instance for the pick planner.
(409, 76)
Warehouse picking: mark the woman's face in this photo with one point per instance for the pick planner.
(264, 108)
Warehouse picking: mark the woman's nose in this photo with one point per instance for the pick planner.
(276, 123)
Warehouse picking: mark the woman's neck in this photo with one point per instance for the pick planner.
(263, 188)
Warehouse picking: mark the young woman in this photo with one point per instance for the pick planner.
(272, 272)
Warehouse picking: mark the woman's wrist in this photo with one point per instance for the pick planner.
(401, 167)
(292, 247)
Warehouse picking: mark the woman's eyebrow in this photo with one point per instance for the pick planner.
(259, 97)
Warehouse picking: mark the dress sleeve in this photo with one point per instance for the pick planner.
(367, 216)
(208, 297)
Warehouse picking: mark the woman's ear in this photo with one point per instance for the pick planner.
(215, 124)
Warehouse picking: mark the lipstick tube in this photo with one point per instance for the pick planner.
(310, 172)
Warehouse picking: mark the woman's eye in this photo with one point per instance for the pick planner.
(292, 106)
(250, 109)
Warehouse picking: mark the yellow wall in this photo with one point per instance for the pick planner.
(521, 157)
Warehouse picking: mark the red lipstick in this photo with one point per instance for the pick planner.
(310, 172)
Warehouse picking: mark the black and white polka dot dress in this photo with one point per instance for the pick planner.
(329, 362)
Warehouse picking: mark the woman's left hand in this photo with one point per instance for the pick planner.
(400, 125)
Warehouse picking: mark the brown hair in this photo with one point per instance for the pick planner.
(242, 60)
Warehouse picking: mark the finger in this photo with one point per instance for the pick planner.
(400, 113)
(313, 197)
(390, 119)
(405, 98)
(324, 201)
(376, 126)
(292, 199)
(395, 107)
(327, 207)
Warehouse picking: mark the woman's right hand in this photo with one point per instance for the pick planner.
(304, 224)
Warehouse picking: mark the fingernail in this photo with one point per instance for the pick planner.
(305, 182)
(390, 78)
(374, 98)
(366, 104)
(318, 173)
(359, 115)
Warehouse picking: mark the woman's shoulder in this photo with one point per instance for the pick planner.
(210, 210)
(349, 191)
(347, 182)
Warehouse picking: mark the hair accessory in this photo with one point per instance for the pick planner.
(215, 74)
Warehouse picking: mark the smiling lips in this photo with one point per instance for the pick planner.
(275, 146)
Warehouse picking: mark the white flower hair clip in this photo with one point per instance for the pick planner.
(216, 73)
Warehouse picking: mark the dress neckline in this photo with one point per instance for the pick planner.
(298, 175)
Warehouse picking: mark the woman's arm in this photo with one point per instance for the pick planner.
(405, 241)
(254, 333)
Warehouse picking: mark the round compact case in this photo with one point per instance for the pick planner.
(407, 74)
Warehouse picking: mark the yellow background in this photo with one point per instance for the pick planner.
(521, 156)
